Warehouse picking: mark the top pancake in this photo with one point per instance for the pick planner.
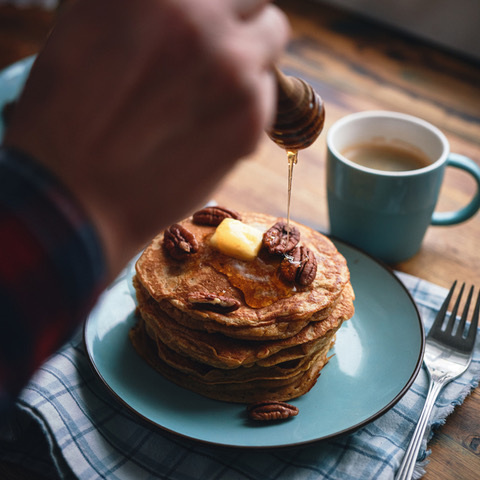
(264, 299)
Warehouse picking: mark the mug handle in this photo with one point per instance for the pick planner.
(449, 218)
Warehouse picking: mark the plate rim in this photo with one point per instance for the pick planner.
(349, 430)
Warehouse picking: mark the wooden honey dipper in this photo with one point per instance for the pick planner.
(300, 113)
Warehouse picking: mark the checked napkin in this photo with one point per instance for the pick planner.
(67, 425)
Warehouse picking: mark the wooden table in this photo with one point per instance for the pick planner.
(354, 65)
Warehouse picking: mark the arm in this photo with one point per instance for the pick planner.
(133, 112)
(148, 104)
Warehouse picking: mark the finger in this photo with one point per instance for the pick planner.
(248, 8)
(269, 31)
(267, 98)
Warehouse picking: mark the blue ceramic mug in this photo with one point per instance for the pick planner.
(382, 211)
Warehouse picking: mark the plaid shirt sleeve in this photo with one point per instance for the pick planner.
(52, 269)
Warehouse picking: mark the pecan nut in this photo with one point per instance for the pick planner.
(299, 266)
(269, 411)
(214, 215)
(214, 303)
(179, 242)
(280, 239)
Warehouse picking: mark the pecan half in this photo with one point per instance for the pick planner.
(268, 411)
(214, 215)
(179, 242)
(278, 240)
(299, 266)
(214, 303)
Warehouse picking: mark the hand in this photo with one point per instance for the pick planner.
(140, 108)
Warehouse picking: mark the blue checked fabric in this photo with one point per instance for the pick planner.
(67, 425)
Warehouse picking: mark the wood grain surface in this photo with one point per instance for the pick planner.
(354, 65)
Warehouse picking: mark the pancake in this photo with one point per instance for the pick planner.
(274, 389)
(174, 283)
(217, 349)
(238, 330)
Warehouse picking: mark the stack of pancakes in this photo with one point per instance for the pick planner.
(272, 347)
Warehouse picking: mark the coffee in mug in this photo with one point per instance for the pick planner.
(394, 156)
(384, 173)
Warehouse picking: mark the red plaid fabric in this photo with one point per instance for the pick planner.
(52, 268)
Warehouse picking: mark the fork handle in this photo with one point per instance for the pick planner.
(405, 471)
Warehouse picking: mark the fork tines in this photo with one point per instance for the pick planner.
(454, 327)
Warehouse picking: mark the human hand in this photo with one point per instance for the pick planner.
(140, 108)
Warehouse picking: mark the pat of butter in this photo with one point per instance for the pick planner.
(237, 239)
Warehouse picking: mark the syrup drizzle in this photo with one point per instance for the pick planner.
(259, 280)
(292, 157)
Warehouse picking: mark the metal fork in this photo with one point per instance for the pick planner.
(448, 353)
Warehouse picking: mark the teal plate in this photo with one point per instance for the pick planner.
(378, 354)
